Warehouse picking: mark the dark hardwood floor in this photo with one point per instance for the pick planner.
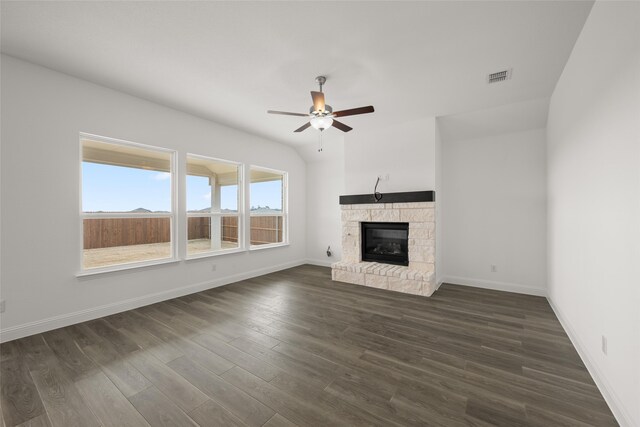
(294, 348)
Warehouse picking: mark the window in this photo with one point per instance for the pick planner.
(268, 193)
(213, 196)
(127, 203)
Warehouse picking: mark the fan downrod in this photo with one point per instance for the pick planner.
(321, 80)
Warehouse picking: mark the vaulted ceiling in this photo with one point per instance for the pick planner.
(231, 61)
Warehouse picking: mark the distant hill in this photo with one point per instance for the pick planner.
(137, 210)
(265, 210)
(259, 210)
(208, 210)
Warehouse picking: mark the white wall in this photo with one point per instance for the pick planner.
(406, 152)
(594, 202)
(42, 115)
(494, 211)
(439, 205)
(325, 183)
(507, 118)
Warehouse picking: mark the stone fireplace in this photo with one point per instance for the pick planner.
(374, 236)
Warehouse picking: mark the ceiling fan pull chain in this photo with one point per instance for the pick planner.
(320, 144)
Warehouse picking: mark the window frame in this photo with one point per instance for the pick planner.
(284, 214)
(240, 214)
(172, 215)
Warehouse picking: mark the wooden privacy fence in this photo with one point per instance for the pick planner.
(264, 229)
(109, 232)
(198, 228)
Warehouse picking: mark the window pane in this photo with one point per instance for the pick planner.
(229, 198)
(212, 185)
(134, 180)
(117, 178)
(266, 229)
(266, 192)
(201, 240)
(112, 241)
(266, 197)
(267, 201)
(198, 194)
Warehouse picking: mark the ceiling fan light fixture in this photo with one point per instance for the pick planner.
(321, 115)
(321, 122)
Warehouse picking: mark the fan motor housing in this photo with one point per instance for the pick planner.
(327, 110)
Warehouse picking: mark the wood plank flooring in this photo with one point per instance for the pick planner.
(295, 348)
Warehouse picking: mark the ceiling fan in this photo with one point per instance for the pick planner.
(321, 115)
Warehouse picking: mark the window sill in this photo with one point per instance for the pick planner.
(125, 267)
(214, 254)
(273, 245)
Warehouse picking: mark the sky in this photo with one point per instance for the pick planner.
(110, 188)
(199, 194)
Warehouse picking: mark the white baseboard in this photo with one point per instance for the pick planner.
(497, 286)
(320, 262)
(622, 416)
(55, 322)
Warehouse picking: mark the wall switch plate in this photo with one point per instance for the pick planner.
(494, 268)
(2, 306)
(213, 267)
(604, 344)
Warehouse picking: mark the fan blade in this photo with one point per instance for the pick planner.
(354, 111)
(303, 127)
(285, 113)
(339, 125)
(318, 101)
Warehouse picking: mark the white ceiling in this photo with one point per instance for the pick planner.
(231, 61)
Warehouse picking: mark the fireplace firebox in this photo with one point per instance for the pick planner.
(385, 242)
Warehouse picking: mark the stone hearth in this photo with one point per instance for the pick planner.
(419, 277)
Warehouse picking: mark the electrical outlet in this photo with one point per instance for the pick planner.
(2, 306)
(494, 268)
(213, 267)
(604, 344)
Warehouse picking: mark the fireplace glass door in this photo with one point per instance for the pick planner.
(385, 242)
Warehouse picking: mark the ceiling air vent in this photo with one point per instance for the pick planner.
(499, 76)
